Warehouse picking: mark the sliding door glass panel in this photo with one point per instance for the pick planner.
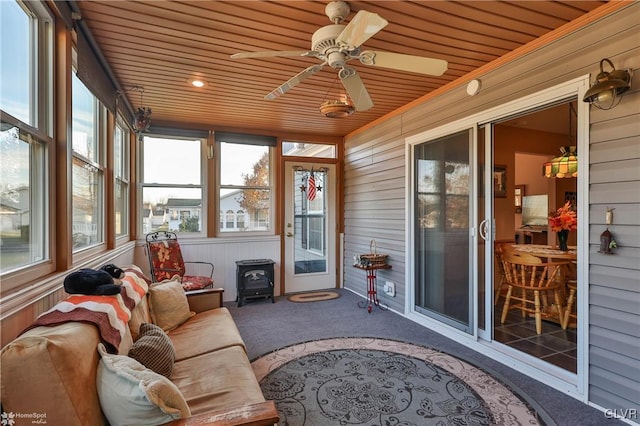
(442, 199)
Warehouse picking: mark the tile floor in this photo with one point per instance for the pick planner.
(554, 344)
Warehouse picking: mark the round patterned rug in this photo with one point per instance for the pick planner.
(369, 381)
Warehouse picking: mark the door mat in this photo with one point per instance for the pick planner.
(314, 296)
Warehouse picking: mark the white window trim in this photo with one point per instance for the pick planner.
(575, 385)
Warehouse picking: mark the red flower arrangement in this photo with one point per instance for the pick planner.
(563, 219)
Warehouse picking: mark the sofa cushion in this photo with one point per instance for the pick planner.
(168, 304)
(205, 332)
(131, 394)
(224, 380)
(139, 315)
(52, 370)
(154, 350)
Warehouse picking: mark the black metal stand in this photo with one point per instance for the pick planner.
(372, 283)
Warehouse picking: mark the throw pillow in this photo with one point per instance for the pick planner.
(154, 350)
(168, 304)
(131, 394)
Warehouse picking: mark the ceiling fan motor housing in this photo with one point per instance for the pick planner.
(337, 11)
(323, 41)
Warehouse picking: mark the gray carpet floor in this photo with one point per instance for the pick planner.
(267, 326)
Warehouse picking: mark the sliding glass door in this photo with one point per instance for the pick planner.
(442, 209)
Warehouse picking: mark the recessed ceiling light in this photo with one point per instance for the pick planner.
(197, 83)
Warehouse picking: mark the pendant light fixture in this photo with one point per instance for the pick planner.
(336, 108)
(566, 164)
(142, 116)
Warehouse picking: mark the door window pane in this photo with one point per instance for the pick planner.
(442, 182)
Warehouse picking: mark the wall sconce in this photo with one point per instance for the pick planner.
(607, 92)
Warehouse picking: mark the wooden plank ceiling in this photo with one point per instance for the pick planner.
(162, 45)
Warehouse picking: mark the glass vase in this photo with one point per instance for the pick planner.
(563, 236)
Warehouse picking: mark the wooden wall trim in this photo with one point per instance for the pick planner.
(521, 51)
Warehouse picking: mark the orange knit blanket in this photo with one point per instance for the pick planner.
(110, 314)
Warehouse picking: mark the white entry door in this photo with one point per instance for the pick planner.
(309, 227)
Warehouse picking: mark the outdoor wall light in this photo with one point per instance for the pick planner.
(607, 92)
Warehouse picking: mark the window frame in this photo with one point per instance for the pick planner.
(141, 185)
(125, 179)
(97, 165)
(39, 132)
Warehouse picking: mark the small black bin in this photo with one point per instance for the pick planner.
(254, 279)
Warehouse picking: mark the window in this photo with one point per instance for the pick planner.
(26, 45)
(240, 219)
(316, 212)
(17, 83)
(305, 149)
(121, 177)
(245, 184)
(229, 219)
(172, 183)
(23, 200)
(87, 167)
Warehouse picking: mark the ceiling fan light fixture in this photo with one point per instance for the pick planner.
(336, 109)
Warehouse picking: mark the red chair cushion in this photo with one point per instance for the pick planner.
(190, 282)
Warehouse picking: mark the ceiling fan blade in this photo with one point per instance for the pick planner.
(272, 53)
(355, 89)
(293, 81)
(361, 28)
(398, 61)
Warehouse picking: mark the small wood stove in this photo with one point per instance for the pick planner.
(254, 279)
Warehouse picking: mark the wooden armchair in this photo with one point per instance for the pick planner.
(529, 281)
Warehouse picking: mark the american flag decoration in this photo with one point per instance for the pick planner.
(311, 187)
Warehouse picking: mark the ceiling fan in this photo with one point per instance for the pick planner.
(337, 44)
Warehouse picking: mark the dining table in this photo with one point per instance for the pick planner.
(552, 252)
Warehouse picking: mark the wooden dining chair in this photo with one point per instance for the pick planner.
(571, 310)
(529, 281)
(499, 248)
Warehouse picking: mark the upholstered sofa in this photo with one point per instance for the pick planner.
(57, 374)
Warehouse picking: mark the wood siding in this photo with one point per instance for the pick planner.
(375, 196)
